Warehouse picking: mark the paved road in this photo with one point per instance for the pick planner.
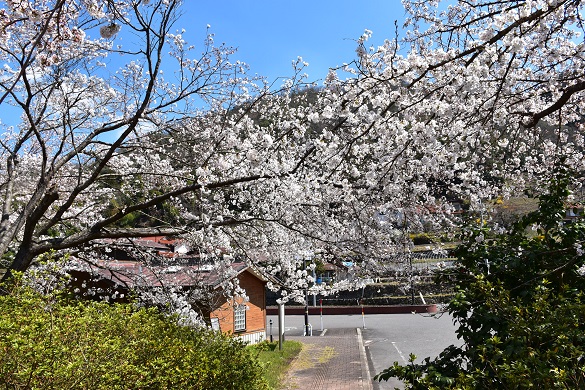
(393, 337)
(387, 337)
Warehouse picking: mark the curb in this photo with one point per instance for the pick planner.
(367, 379)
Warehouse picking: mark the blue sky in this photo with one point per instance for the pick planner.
(269, 35)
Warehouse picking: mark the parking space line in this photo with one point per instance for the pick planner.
(399, 352)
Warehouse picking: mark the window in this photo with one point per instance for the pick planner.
(239, 318)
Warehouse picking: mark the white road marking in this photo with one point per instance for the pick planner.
(399, 352)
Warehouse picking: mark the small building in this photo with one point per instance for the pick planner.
(242, 316)
(330, 273)
(573, 213)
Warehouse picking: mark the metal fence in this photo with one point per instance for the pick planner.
(404, 279)
(421, 262)
(414, 277)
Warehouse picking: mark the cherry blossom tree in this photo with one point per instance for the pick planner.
(484, 100)
(78, 112)
(175, 136)
(479, 99)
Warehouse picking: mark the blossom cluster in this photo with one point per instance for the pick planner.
(466, 108)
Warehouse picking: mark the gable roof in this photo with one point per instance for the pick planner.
(129, 271)
(132, 274)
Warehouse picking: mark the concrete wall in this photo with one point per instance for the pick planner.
(331, 310)
(253, 338)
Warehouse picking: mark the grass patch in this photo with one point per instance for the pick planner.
(275, 362)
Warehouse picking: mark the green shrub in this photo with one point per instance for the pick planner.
(520, 308)
(53, 343)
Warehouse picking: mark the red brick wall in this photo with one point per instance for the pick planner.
(256, 313)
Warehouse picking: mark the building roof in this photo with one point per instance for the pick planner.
(128, 271)
(133, 274)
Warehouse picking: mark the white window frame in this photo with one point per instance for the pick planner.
(240, 318)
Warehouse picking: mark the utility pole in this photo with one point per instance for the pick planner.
(280, 325)
(307, 326)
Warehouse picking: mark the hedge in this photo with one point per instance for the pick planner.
(56, 343)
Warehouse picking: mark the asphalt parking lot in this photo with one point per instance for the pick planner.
(386, 337)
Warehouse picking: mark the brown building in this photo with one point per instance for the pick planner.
(245, 319)
(242, 316)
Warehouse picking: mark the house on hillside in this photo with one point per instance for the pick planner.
(329, 273)
(206, 286)
(573, 213)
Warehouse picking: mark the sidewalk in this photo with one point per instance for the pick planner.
(334, 361)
